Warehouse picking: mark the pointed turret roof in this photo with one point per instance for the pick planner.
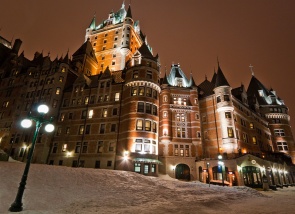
(92, 24)
(129, 14)
(165, 81)
(220, 78)
(145, 51)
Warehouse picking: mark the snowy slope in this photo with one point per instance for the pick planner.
(58, 189)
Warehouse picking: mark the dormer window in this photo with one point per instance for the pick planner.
(260, 93)
(179, 83)
(135, 74)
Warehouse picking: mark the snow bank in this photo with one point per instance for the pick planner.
(58, 189)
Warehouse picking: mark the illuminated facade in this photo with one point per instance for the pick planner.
(113, 111)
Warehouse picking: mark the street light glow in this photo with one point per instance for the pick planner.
(49, 128)
(43, 109)
(26, 123)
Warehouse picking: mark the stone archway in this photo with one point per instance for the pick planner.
(182, 172)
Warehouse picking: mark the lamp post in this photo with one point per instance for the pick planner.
(16, 206)
(208, 173)
(221, 164)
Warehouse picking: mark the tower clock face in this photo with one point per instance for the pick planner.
(253, 162)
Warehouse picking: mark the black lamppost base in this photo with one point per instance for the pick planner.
(15, 207)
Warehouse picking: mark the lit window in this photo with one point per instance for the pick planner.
(139, 124)
(117, 96)
(57, 91)
(90, 113)
(104, 112)
(230, 132)
(254, 140)
(81, 129)
(141, 91)
(148, 125)
(227, 115)
(251, 125)
(137, 167)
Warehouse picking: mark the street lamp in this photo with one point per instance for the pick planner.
(16, 206)
(208, 173)
(221, 164)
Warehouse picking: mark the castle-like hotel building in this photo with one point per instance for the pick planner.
(112, 110)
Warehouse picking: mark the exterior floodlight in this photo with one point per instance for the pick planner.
(26, 123)
(49, 128)
(43, 109)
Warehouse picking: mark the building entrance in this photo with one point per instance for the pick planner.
(182, 172)
(252, 176)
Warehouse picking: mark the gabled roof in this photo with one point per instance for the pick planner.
(106, 74)
(87, 49)
(207, 87)
(220, 78)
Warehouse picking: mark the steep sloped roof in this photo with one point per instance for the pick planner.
(207, 87)
(220, 78)
(129, 14)
(263, 95)
(87, 49)
(145, 52)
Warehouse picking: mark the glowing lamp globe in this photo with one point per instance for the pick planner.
(49, 128)
(219, 157)
(26, 123)
(43, 109)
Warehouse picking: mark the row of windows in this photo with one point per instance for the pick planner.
(43, 93)
(181, 150)
(86, 129)
(47, 81)
(83, 147)
(135, 75)
(145, 146)
(225, 98)
(146, 125)
(90, 100)
(89, 114)
(82, 163)
(147, 108)
(144, 91)
(147, 168)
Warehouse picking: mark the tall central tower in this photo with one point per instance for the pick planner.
(115, 39)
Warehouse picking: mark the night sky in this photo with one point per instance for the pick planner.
(190, 32)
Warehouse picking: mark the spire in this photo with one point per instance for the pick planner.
(123, 5)
(165, 81)
(92, 24)
(129, 15)
(220, 78)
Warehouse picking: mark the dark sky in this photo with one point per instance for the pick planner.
(190, 32)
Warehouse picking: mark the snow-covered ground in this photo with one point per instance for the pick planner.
(58, 189)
